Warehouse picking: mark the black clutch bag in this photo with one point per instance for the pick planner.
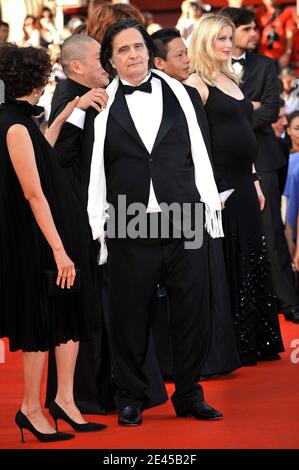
(53, 289)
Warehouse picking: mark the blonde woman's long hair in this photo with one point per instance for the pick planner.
(203, 60)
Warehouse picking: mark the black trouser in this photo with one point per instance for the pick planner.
(134, 269)
(278, 253)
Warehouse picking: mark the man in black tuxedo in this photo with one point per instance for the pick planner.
(87, 79)
(146, 156)
(260, 85)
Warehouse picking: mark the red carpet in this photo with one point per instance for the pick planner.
(260, 406)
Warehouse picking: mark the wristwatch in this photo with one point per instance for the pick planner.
(256, 177)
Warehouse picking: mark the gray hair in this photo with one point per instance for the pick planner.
(74, 48)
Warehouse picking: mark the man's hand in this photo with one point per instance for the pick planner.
(256, 105)
(260, 195)
(96, 98)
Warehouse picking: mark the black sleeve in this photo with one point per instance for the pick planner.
(270, 99)
(67, 146)
(204, 126)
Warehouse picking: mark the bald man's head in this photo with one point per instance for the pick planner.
(75, 48)
(80, 59)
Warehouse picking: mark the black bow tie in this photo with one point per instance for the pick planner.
(145, 86)
(240, 61)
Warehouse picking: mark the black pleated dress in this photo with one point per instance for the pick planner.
(29, 317)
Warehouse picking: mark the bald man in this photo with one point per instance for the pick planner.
(85, 78)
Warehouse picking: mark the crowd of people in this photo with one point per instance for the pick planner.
(141, 220)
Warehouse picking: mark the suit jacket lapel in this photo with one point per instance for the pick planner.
(120, 111)
(168, 115)
(249, 69)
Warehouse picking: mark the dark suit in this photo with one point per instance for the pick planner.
(129, 167)
(92, 385)
(260, 84)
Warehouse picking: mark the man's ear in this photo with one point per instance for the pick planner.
(159, 63)
(75, 66)
(112, 63)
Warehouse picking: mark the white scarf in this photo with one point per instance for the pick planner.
(204, 178)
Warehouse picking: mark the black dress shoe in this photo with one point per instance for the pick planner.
(130, 416)
(201, 410)
(57, 413)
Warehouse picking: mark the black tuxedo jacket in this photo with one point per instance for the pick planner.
(74, 145)
(129, 166)
(260, 83)
(69, 141)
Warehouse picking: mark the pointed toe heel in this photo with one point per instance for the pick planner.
(23, 423)
(57, 413)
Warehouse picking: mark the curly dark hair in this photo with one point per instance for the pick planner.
(112, 31)
(23, 68)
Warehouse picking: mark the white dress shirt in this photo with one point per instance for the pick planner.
(77, 118)
(146, 110)
(238, 68)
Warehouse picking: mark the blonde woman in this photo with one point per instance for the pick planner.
(234, 149)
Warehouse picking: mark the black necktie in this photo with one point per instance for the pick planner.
(145, 86)
(241, 61)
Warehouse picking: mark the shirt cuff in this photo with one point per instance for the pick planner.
(77, 118)
(224, 195)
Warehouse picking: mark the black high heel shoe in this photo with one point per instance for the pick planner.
(57, 413)
(23, 423)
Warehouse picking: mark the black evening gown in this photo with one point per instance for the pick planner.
(253, 304)
(29, 317)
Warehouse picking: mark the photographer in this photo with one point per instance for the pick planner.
(277, 27)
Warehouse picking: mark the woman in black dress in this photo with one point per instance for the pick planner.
(233, 150)
(41, 228)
